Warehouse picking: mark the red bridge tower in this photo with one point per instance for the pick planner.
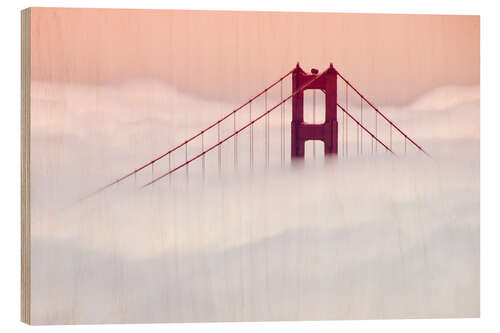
(327, 131)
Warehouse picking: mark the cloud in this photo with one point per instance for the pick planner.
(366, 237)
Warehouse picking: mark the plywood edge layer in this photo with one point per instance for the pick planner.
(25, 165)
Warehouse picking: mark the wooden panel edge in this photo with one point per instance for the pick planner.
(25, 165)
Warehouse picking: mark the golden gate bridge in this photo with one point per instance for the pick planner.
(333, 131)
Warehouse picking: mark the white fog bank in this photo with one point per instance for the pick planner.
(367, 237)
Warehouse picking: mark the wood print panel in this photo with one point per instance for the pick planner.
(166, 177)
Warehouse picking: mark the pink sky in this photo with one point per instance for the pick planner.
(231, 55)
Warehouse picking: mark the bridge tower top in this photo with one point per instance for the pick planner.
(302, 131)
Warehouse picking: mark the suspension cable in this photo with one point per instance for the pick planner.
(381, 114)
(365, 129)
(150, 163)
(235, 133)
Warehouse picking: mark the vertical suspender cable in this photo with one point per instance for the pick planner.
(376, 131)
(347, 120)
(372, 144)
(281, 133)
(346, 136)
(339, 148)
(284, 132)
(357, 139)
(187, 165)
(342, 137)
(219, 147)
(169, 168)
(203, 157)
(341, 120)
(314, 121)
(267, 129)
(361, 133)
(251, 135)
(343, 132)
(235, 142)
(390, 128)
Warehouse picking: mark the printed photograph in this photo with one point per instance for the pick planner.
(215, 166)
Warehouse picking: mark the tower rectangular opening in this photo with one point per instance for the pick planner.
(314, 106)
(314, 150)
